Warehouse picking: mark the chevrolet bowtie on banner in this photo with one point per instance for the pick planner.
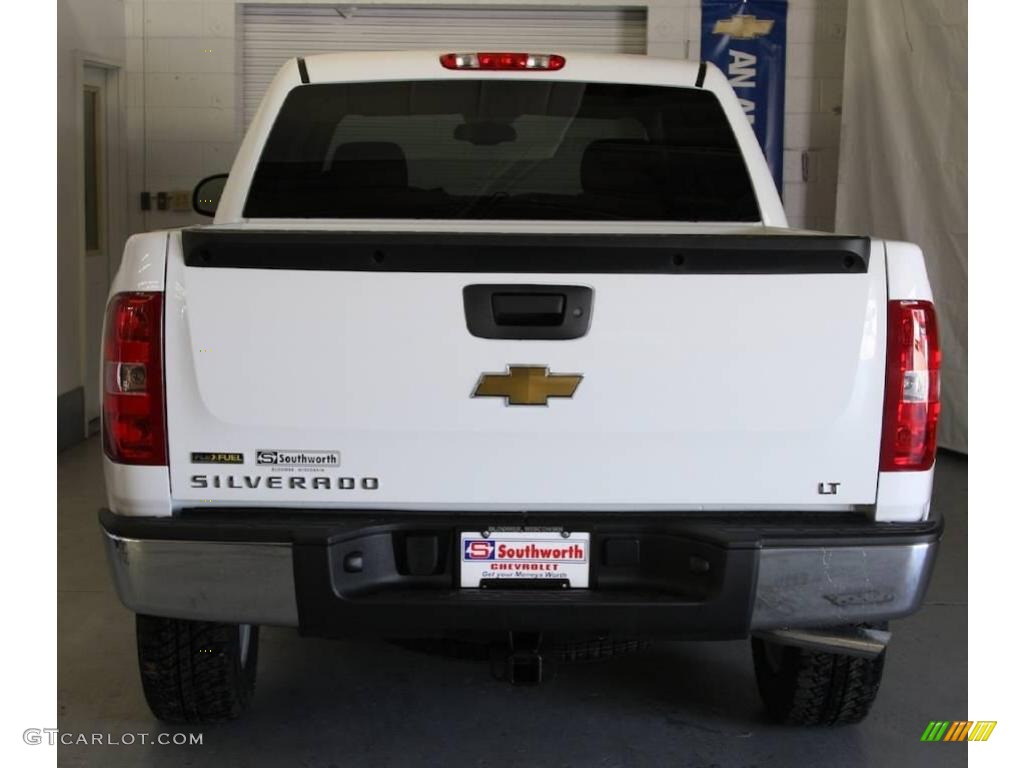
(746, 39)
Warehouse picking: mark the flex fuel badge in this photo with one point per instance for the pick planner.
(217, 457)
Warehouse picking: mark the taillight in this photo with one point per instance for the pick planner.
(911, 413)
(503, 60)
(133, 388)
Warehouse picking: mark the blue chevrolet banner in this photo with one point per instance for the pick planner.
(747, 41)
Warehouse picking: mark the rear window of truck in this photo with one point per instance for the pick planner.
(502, 149)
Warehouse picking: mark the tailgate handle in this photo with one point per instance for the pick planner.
(527, 311)
(531, 309)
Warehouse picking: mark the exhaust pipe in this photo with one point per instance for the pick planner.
(851, 641)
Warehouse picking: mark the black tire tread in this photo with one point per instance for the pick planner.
(817, 688)
(191, 670)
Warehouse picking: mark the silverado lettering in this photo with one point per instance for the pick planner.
(276, 482)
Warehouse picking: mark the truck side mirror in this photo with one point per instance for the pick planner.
(207, 192)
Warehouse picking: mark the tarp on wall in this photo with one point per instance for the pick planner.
(903, 158)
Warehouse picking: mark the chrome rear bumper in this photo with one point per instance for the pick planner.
(255, 582)
(829, 586)
(243, 583)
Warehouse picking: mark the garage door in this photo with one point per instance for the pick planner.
(272, 34)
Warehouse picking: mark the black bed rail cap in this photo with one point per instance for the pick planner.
(561, 253)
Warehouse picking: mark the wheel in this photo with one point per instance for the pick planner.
(804, 687)
(196, 671)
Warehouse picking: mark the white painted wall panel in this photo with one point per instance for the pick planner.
(903, 170)
(84, 30)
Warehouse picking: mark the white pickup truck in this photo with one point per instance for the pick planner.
(515, 348)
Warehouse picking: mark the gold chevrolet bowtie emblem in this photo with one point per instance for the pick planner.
(743, 26)
(527, 385)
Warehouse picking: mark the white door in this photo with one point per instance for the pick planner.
(98, 156)
(272, 34)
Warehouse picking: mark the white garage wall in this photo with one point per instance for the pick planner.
(814, 100)
(96, 28)
(184, 92)
(273, 34)
(916, 187)
(93, 29)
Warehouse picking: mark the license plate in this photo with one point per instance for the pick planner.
(525, 555)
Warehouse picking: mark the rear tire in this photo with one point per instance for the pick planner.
(196, 671)
(804, 687)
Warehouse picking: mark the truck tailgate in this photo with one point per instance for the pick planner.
(336, 370)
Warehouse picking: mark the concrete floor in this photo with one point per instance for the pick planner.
(334, 704)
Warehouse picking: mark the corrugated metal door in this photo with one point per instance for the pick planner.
(275, 33)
